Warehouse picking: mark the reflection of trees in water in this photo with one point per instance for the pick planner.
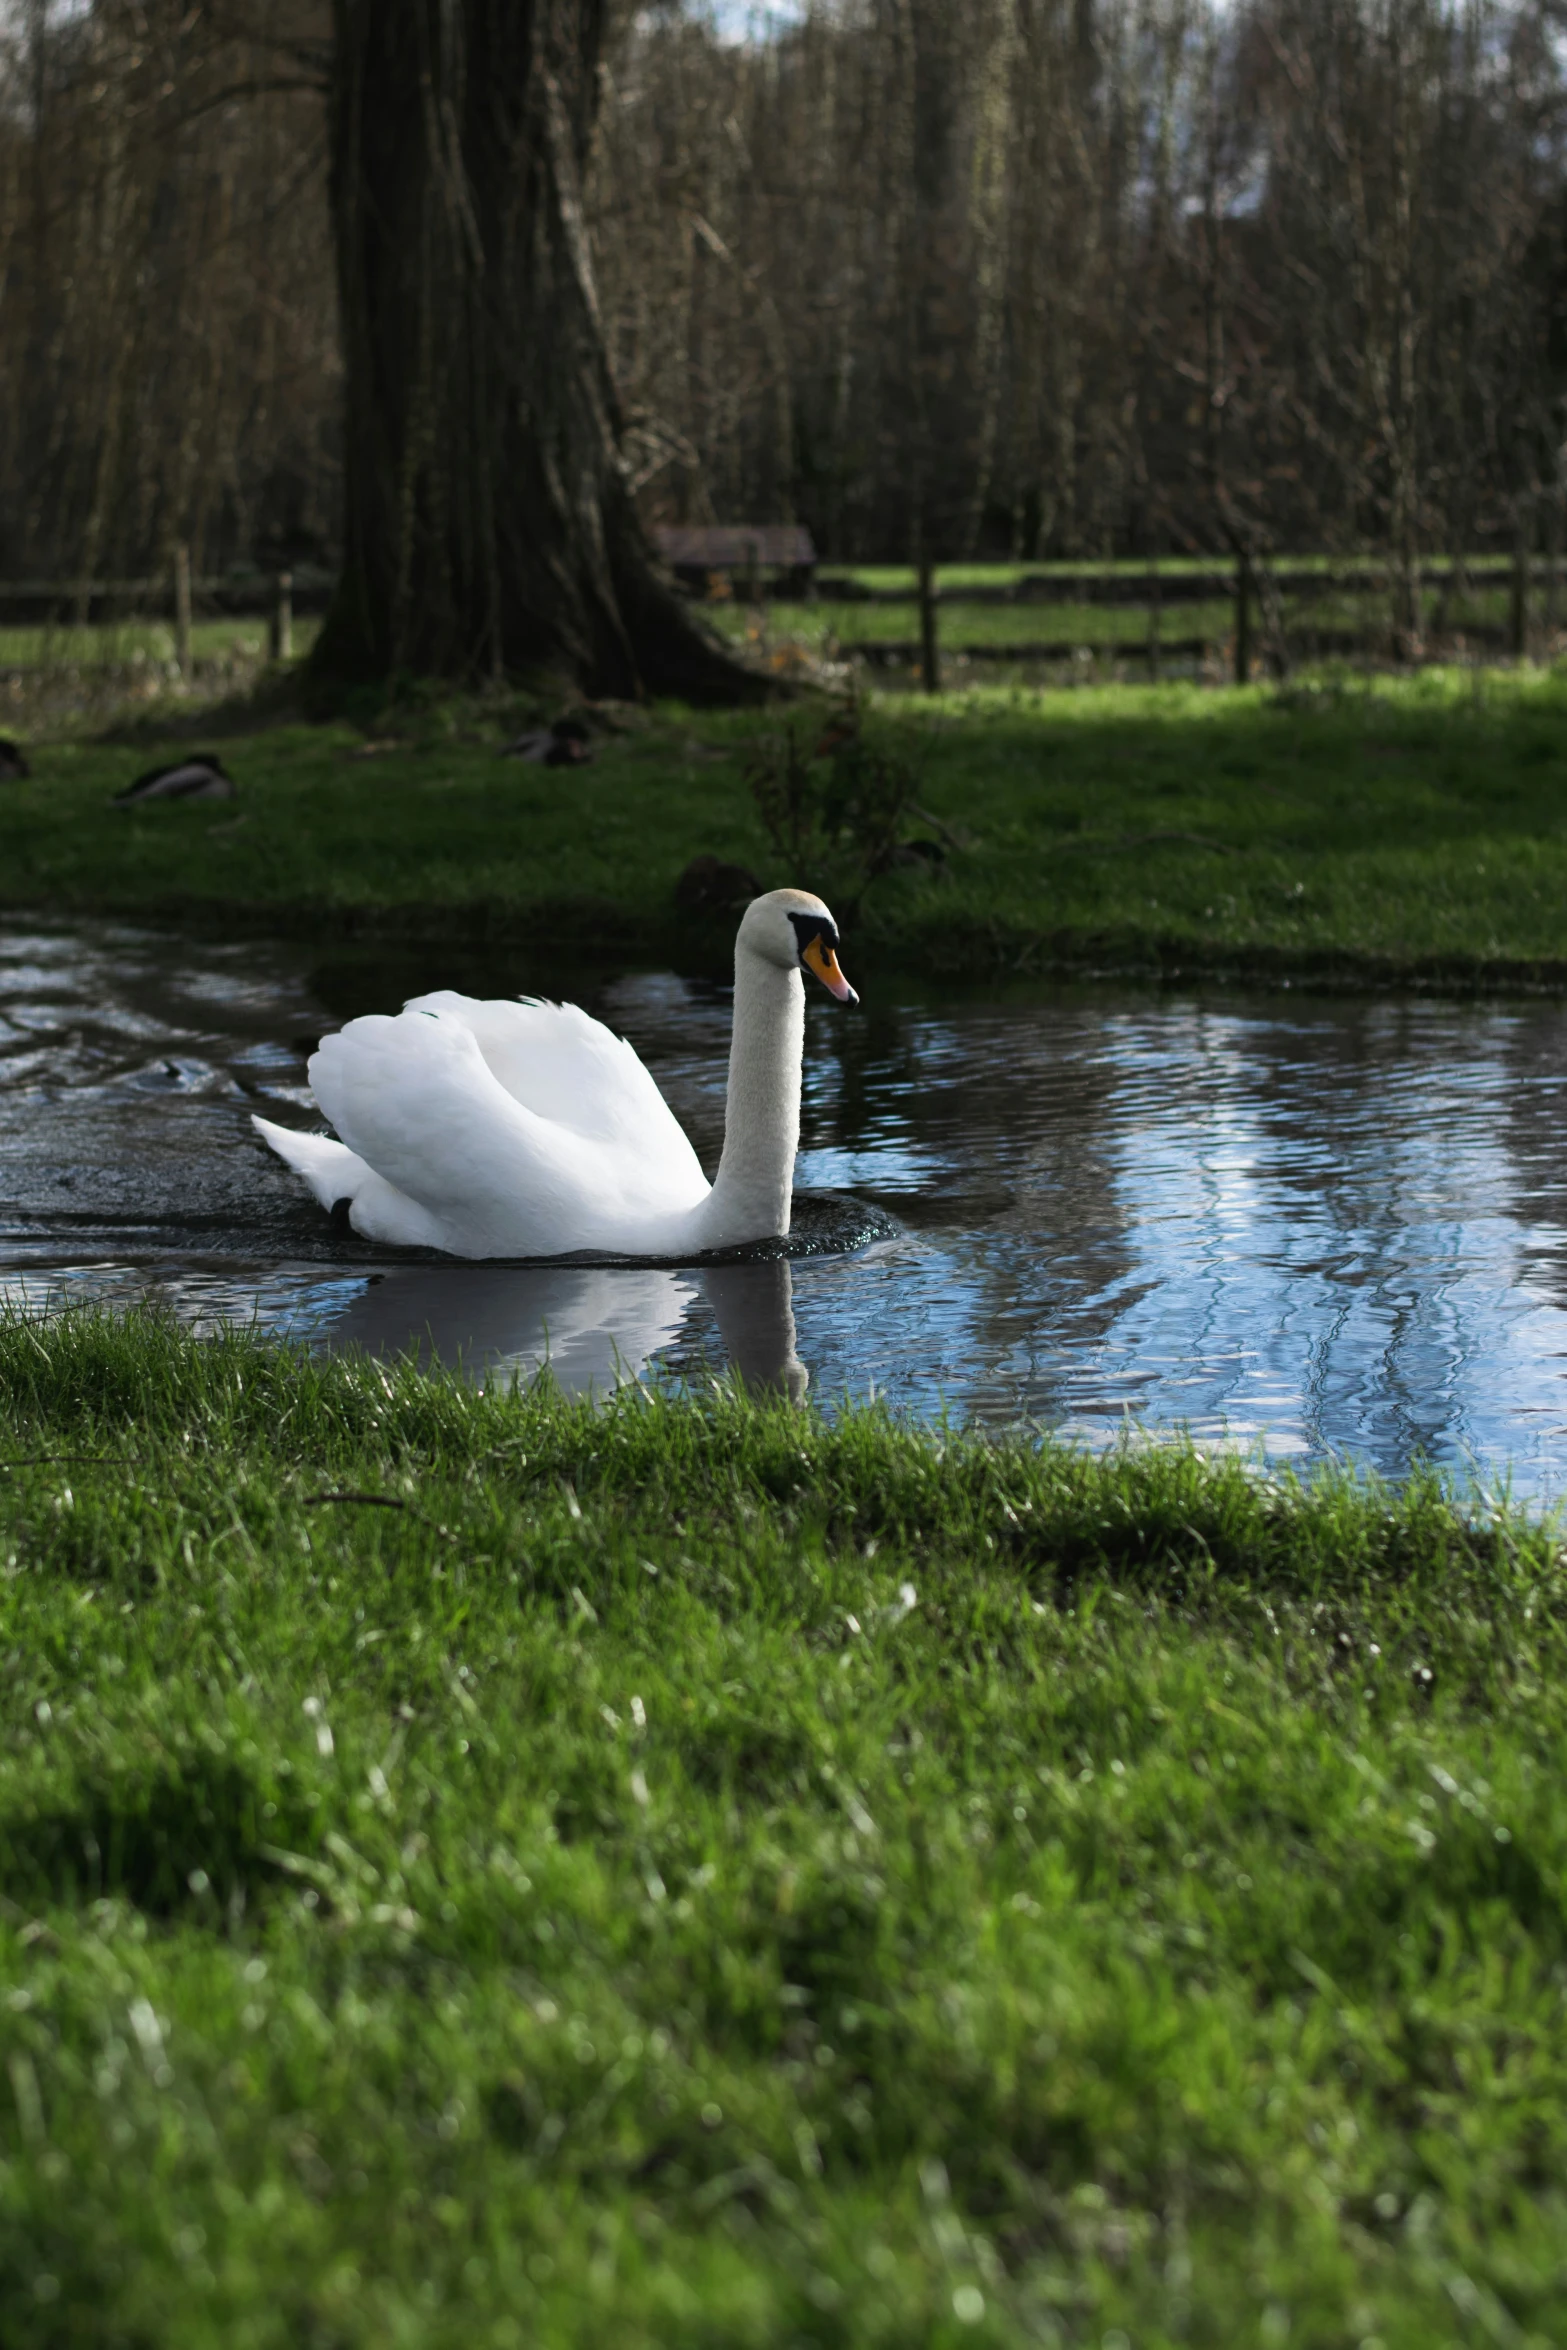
(1284, 1203)
(1343, 1184)
(1532, 1046)
(1364, 1156)
(1000, 1117)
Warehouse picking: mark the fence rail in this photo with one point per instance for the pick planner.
(1125, 585)
(1255, 593)
(174, 596)
(1260, 625)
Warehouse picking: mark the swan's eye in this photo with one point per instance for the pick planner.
(810, 928)
(818, 939)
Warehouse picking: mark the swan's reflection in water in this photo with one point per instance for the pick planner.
(754, 1308)
(594, 1326)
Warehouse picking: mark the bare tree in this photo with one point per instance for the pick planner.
(1035, 276)
(167, 307)
(489, 525)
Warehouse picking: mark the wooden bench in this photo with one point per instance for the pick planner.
(696, 553)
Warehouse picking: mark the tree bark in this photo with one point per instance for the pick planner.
(489, 526)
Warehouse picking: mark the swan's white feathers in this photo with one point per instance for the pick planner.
(376, 1208)
(518, 1129)
(330, 1168)
(558, 1060)
(527, 1129)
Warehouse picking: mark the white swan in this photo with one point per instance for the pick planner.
(525, 1129)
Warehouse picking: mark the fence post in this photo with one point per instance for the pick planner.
(1242, 621)
(1553, 571)
(182, 650)
(930, 649)
(1518, 618)
(1153, 619)
(280, 639)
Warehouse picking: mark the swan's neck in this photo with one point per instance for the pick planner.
(751, 1192)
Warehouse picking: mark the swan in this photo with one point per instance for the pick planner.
(527, 1129)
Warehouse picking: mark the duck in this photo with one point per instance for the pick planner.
(566, 742)
(525, 1128)
(202, 776)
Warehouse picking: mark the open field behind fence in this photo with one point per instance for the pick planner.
(1186, 614)
(140, 643)
(75, 648)
(1235, 620)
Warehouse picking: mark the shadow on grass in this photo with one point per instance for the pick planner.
(198, 1839)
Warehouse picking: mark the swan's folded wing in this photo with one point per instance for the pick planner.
(332, 1172)
(377, 1209)
(414, 1096)
(558, 1060)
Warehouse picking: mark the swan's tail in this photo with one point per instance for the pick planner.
(331, 1169)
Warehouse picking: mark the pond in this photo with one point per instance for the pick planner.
(1314, 1226)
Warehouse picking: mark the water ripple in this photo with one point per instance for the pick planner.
(1316, 1228)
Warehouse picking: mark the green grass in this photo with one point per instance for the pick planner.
(963, 625)
(1383, 830)
(139, 642)
(1393, 830)
(436, 822)
(689, 1874)
(886, 577)
(967, 626)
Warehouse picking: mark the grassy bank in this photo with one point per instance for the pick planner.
(473, 1870)
(1386, 829)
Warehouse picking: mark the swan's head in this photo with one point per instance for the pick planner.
(791, 928)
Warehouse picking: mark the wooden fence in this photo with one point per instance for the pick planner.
(1259, 624)
(174, 596)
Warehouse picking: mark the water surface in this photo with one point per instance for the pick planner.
(1322, 1226)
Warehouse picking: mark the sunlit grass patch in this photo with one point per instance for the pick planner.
(1341, 825)
(477, 1866)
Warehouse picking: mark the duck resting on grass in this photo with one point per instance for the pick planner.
(527, 1129)
(202, 776)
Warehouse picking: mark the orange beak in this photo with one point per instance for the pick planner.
(820, 959)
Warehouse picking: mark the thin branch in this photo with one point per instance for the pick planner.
(265, 87)
(377, 1501)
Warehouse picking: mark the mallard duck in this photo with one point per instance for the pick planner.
(202, 776)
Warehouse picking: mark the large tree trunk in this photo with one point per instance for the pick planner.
(489, 528)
